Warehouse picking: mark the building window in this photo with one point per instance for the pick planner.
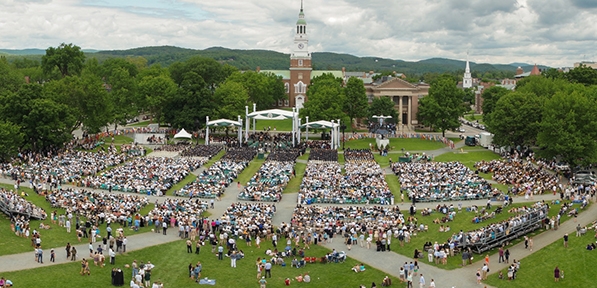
(286, 103)
(287, 87)
(300, 88)
(300, 62)
(280, 102)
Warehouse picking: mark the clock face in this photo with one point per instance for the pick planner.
(301, 46)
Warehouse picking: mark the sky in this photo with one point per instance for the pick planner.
(556, 33)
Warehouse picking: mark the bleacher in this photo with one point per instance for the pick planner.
(533, 222)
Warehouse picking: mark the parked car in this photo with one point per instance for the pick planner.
(562, 166)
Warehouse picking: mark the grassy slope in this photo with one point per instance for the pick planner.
(537, 269)
(295, 183)
(171, 268)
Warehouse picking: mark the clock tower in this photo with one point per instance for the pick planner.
(300, 64)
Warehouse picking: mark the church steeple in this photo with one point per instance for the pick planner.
(300, 38)
(467, 80)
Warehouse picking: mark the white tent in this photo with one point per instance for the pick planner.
(322, 124)
(274, 114)
(183, 134)
(271, 114)
(223, 123)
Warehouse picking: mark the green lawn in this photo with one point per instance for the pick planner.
(214, 159)
(384, 161)
(250, 171)
(54, 237)
(171, 261)
(475, 117)
(536, 270)
(462, 221)
(396, 144)
(190, 178)
(281, 125)
(295, 183)
(394, 186)
(467, 158)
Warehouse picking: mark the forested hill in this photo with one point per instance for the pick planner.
(272, 60)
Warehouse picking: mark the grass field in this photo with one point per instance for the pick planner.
(171, 261)
(54, 237)
(394, 185)
(295, 183)
(536, 270)
(396, 144)
(250, 171)
(280, 125)
(190, 178)
(467, 158)
(462, 221)
(476, 117)
(214, 159)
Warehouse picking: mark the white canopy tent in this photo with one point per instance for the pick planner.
(183, 134)
(223, 123)
(274, 114)
(322, 124)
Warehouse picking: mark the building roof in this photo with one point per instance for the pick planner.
(525, 74)
(285, 74)
(336, 73)
(395, 83)
(535, 70)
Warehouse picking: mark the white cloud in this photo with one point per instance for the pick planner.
(505, 31)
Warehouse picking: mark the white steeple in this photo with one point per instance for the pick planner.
(300, 38)
(467, 80)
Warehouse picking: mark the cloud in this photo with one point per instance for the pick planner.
(492, 31)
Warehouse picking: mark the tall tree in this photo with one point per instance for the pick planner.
(383, 106)
(123, 95)
(86, 98)
(515, 119)
(568, 128)
(264, 89)
(67, 58)
(231, 98)
(355, 104)
(10, 79)
(491, 96)
(443, 106)
(583, 75)
(11, 140)
(326, 99)
(154, 91)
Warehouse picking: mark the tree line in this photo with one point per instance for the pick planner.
(556, 112)
(68, 91)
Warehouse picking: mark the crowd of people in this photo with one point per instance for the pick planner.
(213, 181)
(13, 204)
(147, 175)
(364, 181)
(437, 181)
(68, 166)
(273, 176)
(525, 177)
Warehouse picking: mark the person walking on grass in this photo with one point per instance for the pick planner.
(556, 274)
(566, 240)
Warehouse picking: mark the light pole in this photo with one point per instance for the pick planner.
(254, 110)
(343, 127)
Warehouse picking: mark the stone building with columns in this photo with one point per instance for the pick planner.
(404, 94)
